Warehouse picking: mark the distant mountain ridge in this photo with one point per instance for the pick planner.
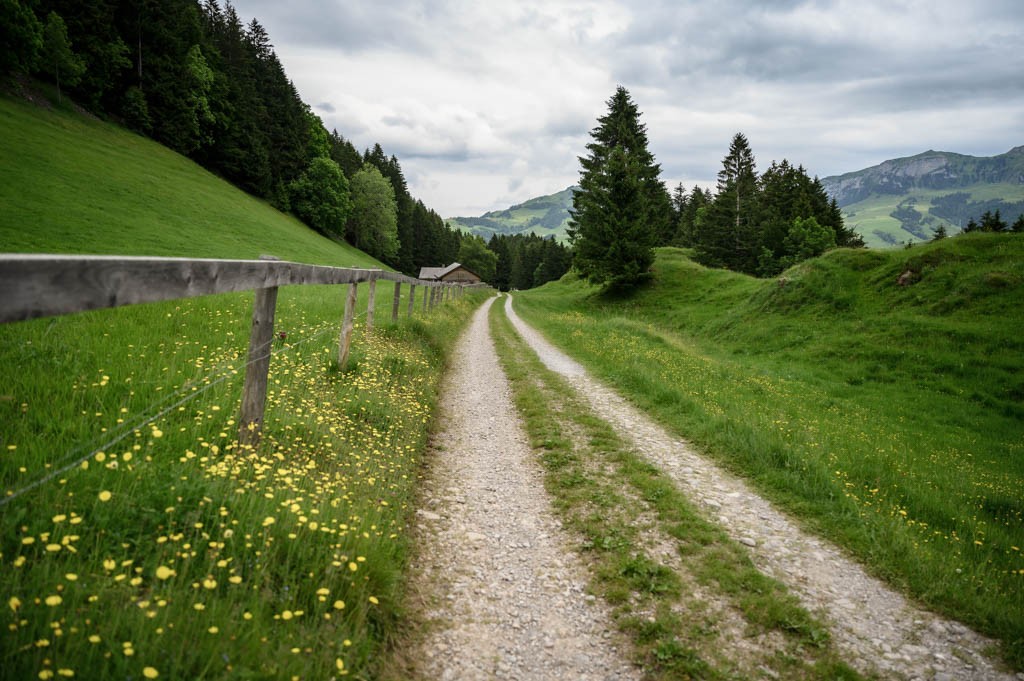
(928, 170)
(897, 201)
(543, 215)
(907, 199)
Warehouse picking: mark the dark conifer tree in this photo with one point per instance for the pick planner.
(729, 236)
(345, 154)
(621, 207)
(499, 243)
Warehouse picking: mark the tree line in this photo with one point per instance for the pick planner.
(756, 224)
(194, 77)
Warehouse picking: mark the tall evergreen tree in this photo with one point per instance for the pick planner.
(693, 208)
(499, 244)
(728, 237)
(622, 208)
(345, 154)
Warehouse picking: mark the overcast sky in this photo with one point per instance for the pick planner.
(488, 103)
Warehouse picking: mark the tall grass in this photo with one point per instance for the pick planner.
(889, 418)
(172, 549)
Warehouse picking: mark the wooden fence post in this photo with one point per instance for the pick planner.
(396, 301)
(426, 294)
(412, 300)
(371, 305)
(346, 326)
(254, 394)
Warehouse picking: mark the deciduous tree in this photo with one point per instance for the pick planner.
(476, 257)
(373, 223)
(59, 59)
(21, 37)
(320, 197)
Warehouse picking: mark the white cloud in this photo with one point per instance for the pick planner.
(490, 104)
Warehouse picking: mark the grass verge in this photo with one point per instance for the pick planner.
(624, 509)
(166, 550)
(888, 417)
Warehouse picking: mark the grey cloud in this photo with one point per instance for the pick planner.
(835, 85)
(349, 27)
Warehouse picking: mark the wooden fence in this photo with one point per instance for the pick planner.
(48, 285)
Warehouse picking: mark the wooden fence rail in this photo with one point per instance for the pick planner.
(49, 285)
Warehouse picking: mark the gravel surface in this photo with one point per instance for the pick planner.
(504, 594)
(876, 628)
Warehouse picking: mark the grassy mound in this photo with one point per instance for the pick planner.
(878, 395)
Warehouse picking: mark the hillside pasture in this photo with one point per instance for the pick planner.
(873, 217)
(887, 417)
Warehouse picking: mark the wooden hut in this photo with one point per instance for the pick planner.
(452, 274)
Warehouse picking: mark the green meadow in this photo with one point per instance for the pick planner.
(138, 539)
(888, 418)
(873, 220)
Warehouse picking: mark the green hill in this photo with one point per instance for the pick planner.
(130, 514)
(907, 199)
(888, 416)
(73, 184)
(542, 215)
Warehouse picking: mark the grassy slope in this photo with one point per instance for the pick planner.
(889, 417)
(874, 214)
(212, 561)
(75, 185)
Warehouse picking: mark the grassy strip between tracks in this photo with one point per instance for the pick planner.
(623, 509)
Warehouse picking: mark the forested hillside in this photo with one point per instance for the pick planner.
(202, 81)
(542, 215)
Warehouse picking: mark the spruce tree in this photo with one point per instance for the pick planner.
(622, 208)
(729, 235)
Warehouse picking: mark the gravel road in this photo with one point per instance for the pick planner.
(504, 594)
